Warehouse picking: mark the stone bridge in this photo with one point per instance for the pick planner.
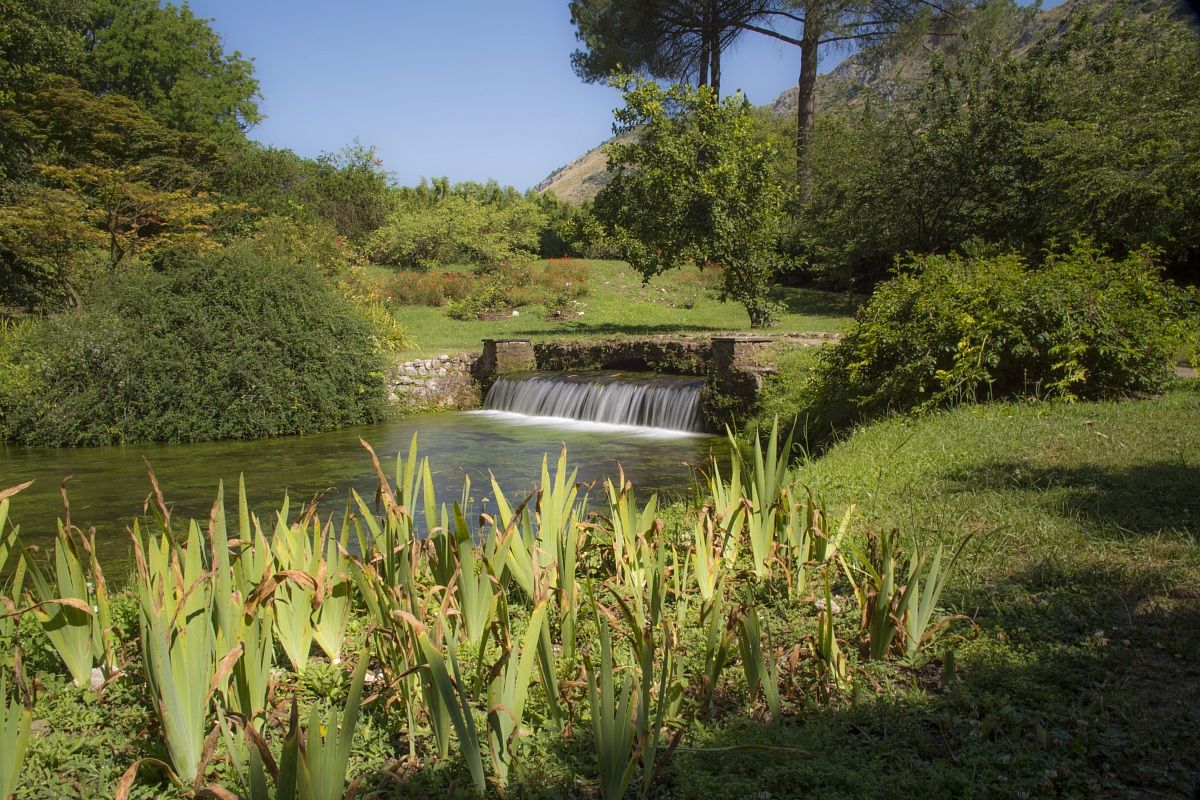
(735, 366)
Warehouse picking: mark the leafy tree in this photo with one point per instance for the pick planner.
(348, 189)
(1091, 133)
(136, 217)
(946, 168)
(458, 229)
(37, 37)
(678, 39)
(694, 187)
(832, 23)
(1115, 138)
(62, 122)
(171, 63)
(48, 246)
(106, 176)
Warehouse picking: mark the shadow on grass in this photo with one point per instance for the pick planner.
(1079, 682)
(1144, 499)
(816, 302)
(575, 328)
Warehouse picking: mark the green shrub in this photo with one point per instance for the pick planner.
(489, 297)
(317, 243)
(555, 284)
(949, 329)
(231, 345)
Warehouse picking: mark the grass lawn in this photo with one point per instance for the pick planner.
(618, 304)
(1081, 675)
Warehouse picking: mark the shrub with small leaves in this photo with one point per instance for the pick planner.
(233, 345)
(950, 329)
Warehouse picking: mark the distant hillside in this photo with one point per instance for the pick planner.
(580, 180)
(880, 72)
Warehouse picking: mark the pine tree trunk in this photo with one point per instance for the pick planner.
(805, 108)
(715, 64)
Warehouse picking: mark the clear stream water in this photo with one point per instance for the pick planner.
(108, 485)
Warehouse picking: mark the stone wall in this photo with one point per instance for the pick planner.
(441, 382)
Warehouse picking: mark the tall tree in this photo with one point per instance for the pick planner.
(823, 24)
(682, 39)
(669, 39)
(36, 37)
(172, 63)
(108, 182)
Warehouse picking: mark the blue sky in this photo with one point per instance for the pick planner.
(473, 90)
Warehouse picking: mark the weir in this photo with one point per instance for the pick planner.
(647, 400)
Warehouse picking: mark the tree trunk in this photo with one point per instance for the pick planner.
(805, 107)
(715, 64)
(759, 312)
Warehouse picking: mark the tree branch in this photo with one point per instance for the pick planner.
(774, 34)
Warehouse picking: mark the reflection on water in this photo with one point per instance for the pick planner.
(108, 485)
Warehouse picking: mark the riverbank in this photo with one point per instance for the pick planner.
(1075, 668)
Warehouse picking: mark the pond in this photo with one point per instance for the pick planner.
(108, 485)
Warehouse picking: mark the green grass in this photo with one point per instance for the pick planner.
(1081, 677)
(617, 304)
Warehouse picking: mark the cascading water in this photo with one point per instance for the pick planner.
(645, 400)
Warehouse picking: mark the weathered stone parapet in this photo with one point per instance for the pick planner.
(442, 382)
(501, 356)
(738, 353)
(737, 376)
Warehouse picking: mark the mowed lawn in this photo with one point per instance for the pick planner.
(618, 304)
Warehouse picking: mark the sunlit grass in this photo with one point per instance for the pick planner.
(617, 304)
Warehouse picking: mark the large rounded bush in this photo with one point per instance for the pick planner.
(231, 345)
(950, 329)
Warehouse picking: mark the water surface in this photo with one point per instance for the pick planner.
(108, 485)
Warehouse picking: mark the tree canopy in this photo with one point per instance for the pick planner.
(170, 62)
(694, 186)
(673, 39)
(1091, 132)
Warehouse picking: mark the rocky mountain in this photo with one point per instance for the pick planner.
(879, 72)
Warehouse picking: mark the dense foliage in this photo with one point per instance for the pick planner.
(694, 187)
(458, 229)
(949, 329)
(1091, 132)
(480, 631)
(231, 345)
(172, 63)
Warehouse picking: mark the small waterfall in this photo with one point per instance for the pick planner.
(620, 398)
